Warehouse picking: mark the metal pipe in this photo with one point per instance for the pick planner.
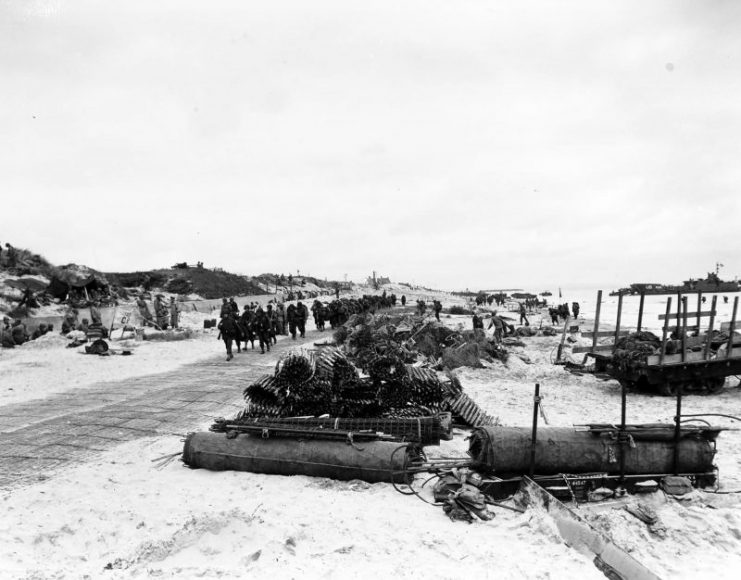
(621, 434)
(677, 429)
(640, 311)
(533, 440)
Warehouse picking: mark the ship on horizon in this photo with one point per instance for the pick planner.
(711, 283)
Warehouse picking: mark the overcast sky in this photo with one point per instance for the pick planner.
(455, 144)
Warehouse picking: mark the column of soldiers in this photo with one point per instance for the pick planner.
(264, 325)
(258, 323)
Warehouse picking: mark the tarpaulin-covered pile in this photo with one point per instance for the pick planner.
(71, 277)
(634, 349)
(413, 339)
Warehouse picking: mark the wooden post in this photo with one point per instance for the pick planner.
(617, 323)
(732, 329)
(110, 331)
(709, 336)
(679, 309)
(699, 308)
(596, 319)
(563, 339)
(536, 404)
(666, 328)
(640, 312)
(684, 328)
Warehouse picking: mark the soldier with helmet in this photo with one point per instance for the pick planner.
(262, 328)
(292, 317)
(302, 315)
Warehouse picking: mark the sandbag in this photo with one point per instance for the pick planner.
(506, 450)
(371, 461)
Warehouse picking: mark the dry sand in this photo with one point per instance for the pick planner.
(119, 515)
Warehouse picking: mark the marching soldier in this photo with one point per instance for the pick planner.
(262, 328)
(245, 324)
(228, 331)
(302, 315)
(280, 315)
(292, 319)
(273, 319)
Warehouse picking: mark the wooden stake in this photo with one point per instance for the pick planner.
(617, 323)
(684, 328)
(732, 329)
(666, 328)
(596, 318)
(709, 336)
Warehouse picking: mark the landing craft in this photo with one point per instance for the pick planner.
(711, 283)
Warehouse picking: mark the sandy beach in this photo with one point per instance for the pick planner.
(125, 512)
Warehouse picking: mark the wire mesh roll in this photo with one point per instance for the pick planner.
(265, 390)
(425, 386)
(295, 367)
(387, 368)
(426, 429)
(467, 409)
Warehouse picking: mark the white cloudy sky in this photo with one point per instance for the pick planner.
(454, 144)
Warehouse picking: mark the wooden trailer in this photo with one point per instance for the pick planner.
(689, 359)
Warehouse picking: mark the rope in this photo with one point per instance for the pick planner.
(712, 415)
(351, 443)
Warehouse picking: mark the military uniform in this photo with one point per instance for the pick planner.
(228, 331)
(174, 313)
(273, 319)
(302, 315)
(280, 315)
(144, 311)
(262, 328)
(245, 325)
(292, 317)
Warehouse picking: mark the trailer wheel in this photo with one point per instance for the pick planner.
(668, 389)
(714, 385)
(629, 385)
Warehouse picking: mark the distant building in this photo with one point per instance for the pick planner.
(378, 280)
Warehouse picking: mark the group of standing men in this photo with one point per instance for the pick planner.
(254, 322)
(164, 314)
(562, 312)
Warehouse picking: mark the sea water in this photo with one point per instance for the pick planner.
(653, 306)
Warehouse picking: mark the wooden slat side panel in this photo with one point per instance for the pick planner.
(598, 348)
(604, 333)
(691, 357)
(674, 315)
